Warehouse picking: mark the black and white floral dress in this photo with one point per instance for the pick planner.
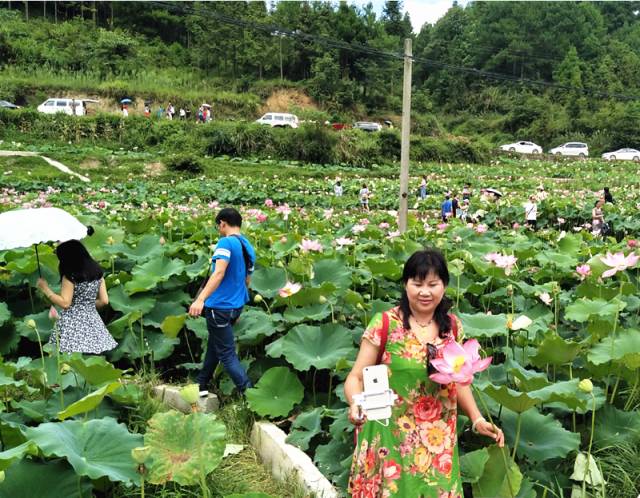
(80, 327)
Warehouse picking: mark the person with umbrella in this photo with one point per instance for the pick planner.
(124, 106)
(82, 290)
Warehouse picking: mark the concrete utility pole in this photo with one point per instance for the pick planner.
(406, 125)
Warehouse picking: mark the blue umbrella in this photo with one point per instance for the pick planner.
(126, 101)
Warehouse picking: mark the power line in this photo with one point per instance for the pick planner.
(275, 30)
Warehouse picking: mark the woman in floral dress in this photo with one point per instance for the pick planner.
(416, 454)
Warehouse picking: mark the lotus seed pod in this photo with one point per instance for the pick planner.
(586, 386)
(190, 393)
(140, 454)
(31, 323)
(257, 298)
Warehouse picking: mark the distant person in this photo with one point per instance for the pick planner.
(170, 111)
(542, 194)
(182, 113)
(125, 110)
(423, 188)
(608, 197)
(464, 210)
(82, 290)
(466, 192)
(160, 112)
(222, 299)
(147, 111)
(447, 208)
(531, 212)
(455, 205)
(200, 114)
(337, 189)
(364, 197)
(597, 218)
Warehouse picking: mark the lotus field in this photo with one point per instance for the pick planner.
(557, 309)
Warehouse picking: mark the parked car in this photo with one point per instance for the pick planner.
(367, 126)
(8, 105)
(571, 149)
(73, 107)
(522, 148)
(279, 119)
(622, 155)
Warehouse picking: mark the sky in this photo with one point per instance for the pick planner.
(420, 11)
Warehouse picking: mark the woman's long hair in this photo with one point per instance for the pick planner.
(76, 264)
(419, 266)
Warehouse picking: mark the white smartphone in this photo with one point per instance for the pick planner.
(376, 380)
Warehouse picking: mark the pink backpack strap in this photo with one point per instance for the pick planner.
(383, 336)
(454, 325)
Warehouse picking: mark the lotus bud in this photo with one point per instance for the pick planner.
(257, 298)
(53, 314)
(110, 240)
(31, 323)
(140, 454)
(322, 299)
(280, 264)
(359, 306)
(162, 240)
(586, 386)
(190, 393)
(64, 368)
(367, 297)
(1, 475)
(116, 281)
(509, 290)
(517, 382)
(168, 224)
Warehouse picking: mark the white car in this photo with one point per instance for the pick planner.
(73, 107)
(571, 149)
(279, 119)
(622, 155)
(522, 148)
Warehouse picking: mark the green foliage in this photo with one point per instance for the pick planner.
(185, 163)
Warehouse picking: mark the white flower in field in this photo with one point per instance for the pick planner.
(562, 235)
(393, 235)
(522, 322)
(344, 241)
(289, 289)
(358, 228)
(546, 298)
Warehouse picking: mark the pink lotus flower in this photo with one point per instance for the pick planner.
(442, 227)
(327, 213)
(546, 298)
(310, 245)
(459, 363)
(491, 257)
(289, 289)
(583, 271)
(344, 241)
(384, 225)
(516, 225)
(284, 210)
(268, 203)
(631, 243)
(261, 217)
(393, 235)
(481, 228)
(358, 228)
(618, 262)
(53, 314)
(504, 261)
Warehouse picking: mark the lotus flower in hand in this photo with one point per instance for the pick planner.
(459, 363)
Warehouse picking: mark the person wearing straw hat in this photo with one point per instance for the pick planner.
(82, 290)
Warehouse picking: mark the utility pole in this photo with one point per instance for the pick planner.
(281, 73)
(404, 151)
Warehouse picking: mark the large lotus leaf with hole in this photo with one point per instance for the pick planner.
(305, 427)
(542, 437)
(483, 325)
(496, 480)
(268, 281)
(95, 369)
(554, 350)
(616, 427)
(331, 270)
(9, 456)
(121, 301)
(472, 465)
(147, 276)
(254, 325)
(276, 393)
(94, 449)
(89, 402)
(56, 479)
(183, 446)
(623, 347)
(583, 309)
(5, 314)
(320, 347)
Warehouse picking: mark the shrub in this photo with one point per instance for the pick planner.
(185, 163)
(390, 144)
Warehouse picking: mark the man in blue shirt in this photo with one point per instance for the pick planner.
(447, 208)
(222, 299)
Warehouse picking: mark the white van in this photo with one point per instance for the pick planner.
(579, 149)
(280, 119)
(72, 107)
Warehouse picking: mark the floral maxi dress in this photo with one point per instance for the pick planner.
(416, 455)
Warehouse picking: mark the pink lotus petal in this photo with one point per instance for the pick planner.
(481, 365)
(610, 273)
(441, 378)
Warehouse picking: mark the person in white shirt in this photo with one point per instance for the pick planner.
(531, 212)
(364, 197)
(337, 189)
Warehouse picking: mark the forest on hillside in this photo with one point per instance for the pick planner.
(545, 71)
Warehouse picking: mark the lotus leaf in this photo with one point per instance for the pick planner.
(94, 369)
(7, 457)
(624, 347)
(199, 327)
(308, 296)
(43, 322)
(159, 344)
(312, 313)
(496, 481)
(591, 475)
(5, 314)
(320, 347)
(249, 495)
(305, 427)
(184, 446)
(120, 301)
(172, 325)
(89, 402)
(147, 276)
(329, 457)
(163, 309)
(44, 480)
(554, 350)
(254, 325)
(483, 325)
(117, 328)
(583, 309)
(274, 349)
(268, 281)
(275, 394)
(385, 268)
(331, 270)
(472, 465)
(513, 400)
(95, 448)
(615, 427)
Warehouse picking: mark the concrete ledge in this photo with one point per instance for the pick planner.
(284, 460)
(170, 395)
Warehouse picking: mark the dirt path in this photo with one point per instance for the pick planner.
(52, 162)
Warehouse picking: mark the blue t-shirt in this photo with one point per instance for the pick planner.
(232, 292)
(447, 207)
